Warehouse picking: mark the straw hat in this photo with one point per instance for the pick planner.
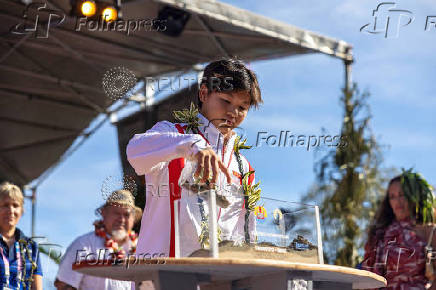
(123, 198)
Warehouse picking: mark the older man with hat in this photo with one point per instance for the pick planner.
(112, 240)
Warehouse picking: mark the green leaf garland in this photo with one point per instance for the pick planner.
(420, 194)
(188, 116)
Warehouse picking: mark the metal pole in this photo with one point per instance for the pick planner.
(33, 210)
(176, 230)
(318, 234)
(347, 75)
(282, 230)
(213, 227)
(348, 62)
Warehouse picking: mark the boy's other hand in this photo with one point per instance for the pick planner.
(207, 160)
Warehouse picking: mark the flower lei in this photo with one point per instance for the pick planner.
(109, 243)
(23, 250)
(251, 192)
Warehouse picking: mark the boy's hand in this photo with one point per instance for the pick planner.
(207, 160)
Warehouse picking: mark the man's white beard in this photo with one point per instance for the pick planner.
(119, 235)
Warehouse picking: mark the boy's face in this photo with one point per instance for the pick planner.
(226, 110)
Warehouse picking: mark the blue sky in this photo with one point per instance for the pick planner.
(301, 94)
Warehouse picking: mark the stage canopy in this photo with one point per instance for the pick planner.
(51, 83)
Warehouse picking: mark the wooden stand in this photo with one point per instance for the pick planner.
(233, 274)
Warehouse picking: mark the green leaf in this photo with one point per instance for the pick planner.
(240, 144)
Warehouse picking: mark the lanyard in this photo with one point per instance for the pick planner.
(19, 265)
(6, 263)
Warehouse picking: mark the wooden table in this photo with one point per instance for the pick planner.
(233, 274)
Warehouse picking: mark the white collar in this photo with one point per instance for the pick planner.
(213, 135)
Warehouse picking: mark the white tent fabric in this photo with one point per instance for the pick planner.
(51, 88)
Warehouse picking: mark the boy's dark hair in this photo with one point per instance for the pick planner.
(231, 75)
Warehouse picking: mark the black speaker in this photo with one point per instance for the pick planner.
(172, 21)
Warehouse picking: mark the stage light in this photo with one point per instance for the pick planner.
(108, 10)
(88, 8)
(109, 14)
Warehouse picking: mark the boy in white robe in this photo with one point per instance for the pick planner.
(228, 90)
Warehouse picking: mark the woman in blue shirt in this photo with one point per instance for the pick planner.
(20, 266)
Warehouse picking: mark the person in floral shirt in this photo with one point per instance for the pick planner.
(397, 238)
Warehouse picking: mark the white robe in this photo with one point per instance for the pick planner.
(150, 154)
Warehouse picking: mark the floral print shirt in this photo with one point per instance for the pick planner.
(399, 257)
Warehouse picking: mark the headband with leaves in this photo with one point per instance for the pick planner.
(420, 194)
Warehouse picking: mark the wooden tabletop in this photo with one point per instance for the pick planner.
(231, 269)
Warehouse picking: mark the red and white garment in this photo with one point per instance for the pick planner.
(160, 155)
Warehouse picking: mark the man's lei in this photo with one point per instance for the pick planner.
(109, 243)
(251, 192)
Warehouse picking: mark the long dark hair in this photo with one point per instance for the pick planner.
(419, 196)
(384, 216)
